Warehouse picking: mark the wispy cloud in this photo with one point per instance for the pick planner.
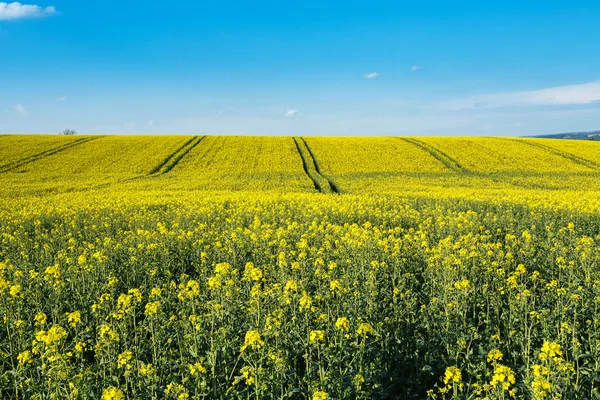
(291, 113)
(585, 93)
(15, 10)
(372, 75)
(151, 122)
(416, 68)
(61, 99)
(20, 110)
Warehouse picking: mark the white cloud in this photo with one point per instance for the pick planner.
(585, 93)
(19, 109)
(151, 122)
(15, 10)
(372, 75)
(291, 113)
(61, 99)
(416, 68)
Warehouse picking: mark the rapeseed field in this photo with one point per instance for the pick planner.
(299, 268)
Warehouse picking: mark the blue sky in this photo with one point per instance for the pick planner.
(305, 68)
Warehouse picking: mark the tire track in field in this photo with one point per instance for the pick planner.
(572, 157)
(175, 157)
(27, 160)
(333, 187)
(439, 155)
(305, 166)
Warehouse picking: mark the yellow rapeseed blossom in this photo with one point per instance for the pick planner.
(252, 340)
(112, 393)
(504, 376)
(16, 291)
(452, 375)
(291, 286)
(151, 308)
(320, 396)
(343, 324)
(364, 329)
(316, 336)
(494, 355)
(252, 273)
(305, 302)
(196, 369)
(40, 319)
(123, 360)
(24, 357)
(551, 351)
(145, 369)
(249, 375)
(74, 318)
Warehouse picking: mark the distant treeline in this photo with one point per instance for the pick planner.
(594, 135)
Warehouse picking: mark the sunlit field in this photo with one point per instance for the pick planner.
(193, 267)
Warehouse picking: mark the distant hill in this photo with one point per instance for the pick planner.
(594, 135)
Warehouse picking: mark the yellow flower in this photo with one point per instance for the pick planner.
(249, 375)
(74, 318)
(40, 319)
(305, 302)
(80, 347)
(335, 285)
(196, 369)
(452, 375)
(291, 286)
(494, 355)
(112, 393)
(222, 268)
(137, 294)
(54, 334)
(16, 291)
(551, 350)
(146, 369)
(252, 273)
(343, 324)
(316, 336)
(252, 340)
(155, 293)
(123, 360)
(151, 308)
(504, 376)
(176, 390)
(320, 396)
(364, 329)
(462, 285)
(24, 357)
(189, 290)
(540, 384)
(106, 332)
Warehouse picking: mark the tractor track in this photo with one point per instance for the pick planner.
(333, 187)
(439, 155)
(174, 158)
(571, 157)
(27, 160)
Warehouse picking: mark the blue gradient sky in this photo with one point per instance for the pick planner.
(306, 68)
